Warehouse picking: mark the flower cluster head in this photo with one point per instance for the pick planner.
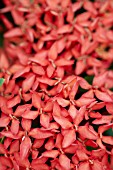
(56, 97)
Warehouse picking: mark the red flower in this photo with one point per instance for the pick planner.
(56, 103)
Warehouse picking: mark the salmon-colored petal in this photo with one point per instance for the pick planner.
(35, 154)
(51, 153)
(64, 29)
(44, 120)
(14, 101)
(21, 109)
(84, 165)
(82, 156)
(86, 133)
(28, 82)
(26, 124)
(65, 3)
(62, 102)
(21, 71)
(14, 147)
(50, 70)
(18, 19)
(40, 166)
(4, 121)
(108, 139)
(15, 126)
(40, 134)
(10, 86)
(30, 114)
(13, 32)
(80, 116)
(59, 139)
(63, 62)
(95, 115)
(38, 143)
(36, 101)
(103, 128)
(69, 138)
(73, 91)
(100, 80)
(98, 153)
(90, 7)
(97, 165)
(6, 161)
(73, 111)
(64, 122)
(109, 107)
(24, 147)
(102, 120)
(52, 53)
(84, 101)
(50, 144)
(80, 67)
(83, 83)
(2, 149)
(64, 161)
(21, 162)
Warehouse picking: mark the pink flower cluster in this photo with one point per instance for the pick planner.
(57, 99)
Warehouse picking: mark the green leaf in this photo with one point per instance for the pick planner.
(108, 132)
(111, 89)
(82, 90)
(89, 148)
(111, 67)
(31, 1)
(2, 139)
(89, 79)
(1, 81)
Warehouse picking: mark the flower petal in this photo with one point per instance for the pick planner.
(24, 147)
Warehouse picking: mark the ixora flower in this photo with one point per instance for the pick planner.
(56, 85)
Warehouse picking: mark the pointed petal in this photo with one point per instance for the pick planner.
(15, 126)
(97, 165)
(44, 120)
(64, 162)
(14, 101)
(30, 114)
(84, 165)
(14, 147)
(4, 121)
(2, 149)
(103, 96)
(108, 139)
(86, 133)
(52, 54)
(40, 134)
(109, 108)
(38, 70)
(13, 32)
(36, 100)
(64, 122)
(80, 115)
(24, 147)
(103, 119)
(82, 156)
(62, 102)
(100, 80)
(26, 124)
(69, 138)
(28, 82)
(51, 153)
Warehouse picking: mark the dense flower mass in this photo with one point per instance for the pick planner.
(56, 91)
